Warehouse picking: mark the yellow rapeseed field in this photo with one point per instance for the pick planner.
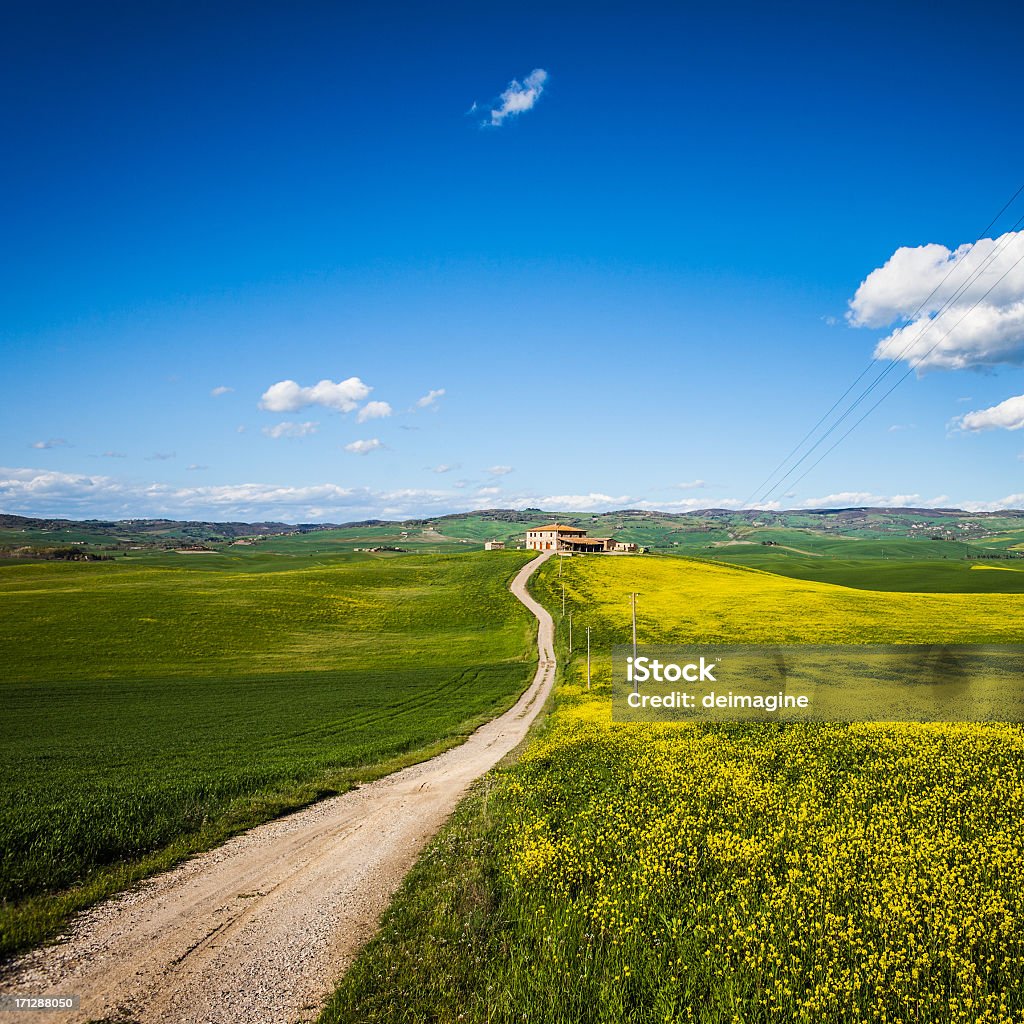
(814, 872)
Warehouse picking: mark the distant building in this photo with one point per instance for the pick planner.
(621, 545)
(494, 545)
(556, 537)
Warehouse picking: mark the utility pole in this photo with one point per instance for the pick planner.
(570, 632)
(563, 599)
(632, 601)
(588, 657)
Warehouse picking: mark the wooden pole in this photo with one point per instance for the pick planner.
(632, 601)
(588, 657)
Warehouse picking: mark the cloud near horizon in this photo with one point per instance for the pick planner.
(974, 330)
(46, 493)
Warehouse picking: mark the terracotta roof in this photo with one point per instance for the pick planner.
(559, 528)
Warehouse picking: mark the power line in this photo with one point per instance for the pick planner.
(906, 374)
(894, 360)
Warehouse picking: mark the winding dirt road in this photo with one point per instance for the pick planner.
(261, 928)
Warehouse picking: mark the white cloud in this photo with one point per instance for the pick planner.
(289, 429)
(692, 504)
(897, 427)
(374, 411)
(53, 442)
(430, 398)
(364, 447)
(1008, 415)
(500, 470)
(195, 467)
(691, 485)
(443, 468)
(862, 499)
(900, 292)
(288, 396)
(1014, 501)
(583, 502)
(161, 456)
(519, 97)
(39, 492)
(222, 390)
(487, 492)
(114, 455)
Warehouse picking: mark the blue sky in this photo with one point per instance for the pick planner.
(629, 287)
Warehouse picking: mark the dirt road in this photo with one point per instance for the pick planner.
(261, 928)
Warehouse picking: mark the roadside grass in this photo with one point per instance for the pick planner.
(721, 873)
(152, 712)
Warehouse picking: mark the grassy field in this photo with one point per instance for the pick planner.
(825, 872)
(893, 574)
(151, 710)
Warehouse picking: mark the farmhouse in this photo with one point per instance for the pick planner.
(494, 545)
(556, 537)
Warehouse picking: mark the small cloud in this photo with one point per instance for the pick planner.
(965, 398)
(374, 411)
(405, 426)
(1008, 415)
(53, 442)
(288, 396)
(160, 456)
(691, 485)
(500, 470)
(114, 455)
(430, 399)
(289, 429)
(583, 502)
(518, 97)
(195, 467)
(460, 484)
(443, 468)
(861, 499)
(240, 429)
(222, 390)
(487, 492)
(364, 447)
(897, 427)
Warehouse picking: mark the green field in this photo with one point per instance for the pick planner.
(764, 874)
(153, 709)
(721, 534)
(921, 576)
